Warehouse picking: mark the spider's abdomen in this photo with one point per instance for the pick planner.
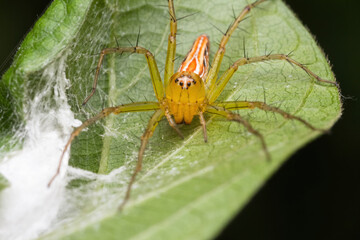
(197, 59)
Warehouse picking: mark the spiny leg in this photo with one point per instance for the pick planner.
(154, 71)
(217, 110)
(212, 75)
(234, 105)
(219, 86)
(171, 50)
(158, 115)
(132, 107)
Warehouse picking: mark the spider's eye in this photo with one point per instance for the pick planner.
(176, 80)
(181, 83)
(189, 84)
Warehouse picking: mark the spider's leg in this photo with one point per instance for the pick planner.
(172, 123)
(219, 110)
(132, 107)
(234, 105)
(154, 71)
(158, 115)
(219, 86)
(203, 124)
(171, 50)
(212, 75)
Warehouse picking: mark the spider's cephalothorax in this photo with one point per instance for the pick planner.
(185, 93)
(193, 90)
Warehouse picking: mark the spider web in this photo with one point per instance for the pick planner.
(53, 93)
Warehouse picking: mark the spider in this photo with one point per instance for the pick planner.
(191, 91)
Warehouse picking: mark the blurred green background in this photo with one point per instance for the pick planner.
(316, 194)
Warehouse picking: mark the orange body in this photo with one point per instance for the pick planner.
(185, 93)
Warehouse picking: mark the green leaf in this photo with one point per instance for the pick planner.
(187, 189)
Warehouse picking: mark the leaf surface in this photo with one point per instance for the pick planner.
(187, 189)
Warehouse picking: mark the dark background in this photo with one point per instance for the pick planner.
(315, 194)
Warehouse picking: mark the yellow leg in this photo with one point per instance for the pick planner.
(234, 105)
(203, 124)
(158, 115)
(222, 111)
(171, 50)
(212, 75)
(154, 71)
(132, 107)
(219, 86)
